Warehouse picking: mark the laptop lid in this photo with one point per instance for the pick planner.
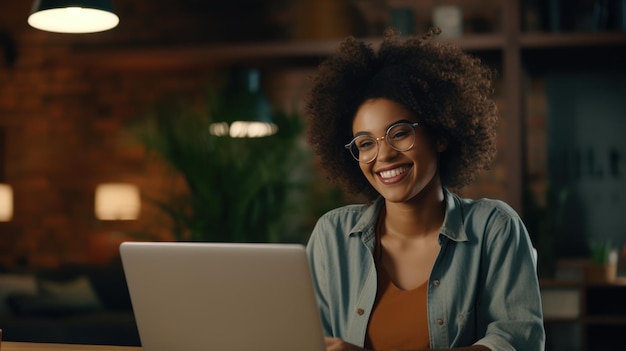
(222, 296)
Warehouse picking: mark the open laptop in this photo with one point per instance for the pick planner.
(210, 296)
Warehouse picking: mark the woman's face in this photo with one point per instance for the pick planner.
(399, 176)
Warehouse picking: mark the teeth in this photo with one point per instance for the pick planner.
(393, 172)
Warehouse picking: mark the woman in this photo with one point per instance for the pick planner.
(417, 267)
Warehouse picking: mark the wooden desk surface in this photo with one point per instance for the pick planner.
(27, 346)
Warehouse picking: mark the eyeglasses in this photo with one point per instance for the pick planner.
(400, 136)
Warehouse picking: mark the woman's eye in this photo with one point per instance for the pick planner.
(365, 144)
(399, 134)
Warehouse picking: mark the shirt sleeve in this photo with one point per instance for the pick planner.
(316, 252)
(510, 304)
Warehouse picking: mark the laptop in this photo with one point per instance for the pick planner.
(222, 296)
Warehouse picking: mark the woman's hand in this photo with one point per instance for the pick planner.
(336, 344)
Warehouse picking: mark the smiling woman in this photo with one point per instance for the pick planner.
(382, 167)
(419, 123)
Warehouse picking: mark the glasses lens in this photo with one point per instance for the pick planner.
(401, 136)
(364, 148)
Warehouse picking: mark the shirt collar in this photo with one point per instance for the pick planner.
(452, 227)
(367, 222)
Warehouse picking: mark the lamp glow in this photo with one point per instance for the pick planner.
(248, 113)
(117, 201)
(6, 203)
(66, 16)
(244, 129)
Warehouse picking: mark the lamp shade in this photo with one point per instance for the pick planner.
(117, 201)
(248, 113)
(73, 16)
(6, 203)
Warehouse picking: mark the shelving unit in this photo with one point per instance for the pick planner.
(515, 53)
(590, 316)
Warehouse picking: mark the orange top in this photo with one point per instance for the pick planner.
(399, 320)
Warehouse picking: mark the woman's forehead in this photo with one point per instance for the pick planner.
(380, 114)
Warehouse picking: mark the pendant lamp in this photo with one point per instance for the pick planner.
(73, 16)
(247, 112)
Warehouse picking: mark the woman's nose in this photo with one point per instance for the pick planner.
(385, 151)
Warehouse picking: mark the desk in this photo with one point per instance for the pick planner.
(27, 346)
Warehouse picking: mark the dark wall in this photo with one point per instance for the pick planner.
(587, 156)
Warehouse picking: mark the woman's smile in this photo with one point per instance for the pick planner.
(393, 175)
(398, 176)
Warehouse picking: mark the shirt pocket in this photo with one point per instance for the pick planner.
(466, 327)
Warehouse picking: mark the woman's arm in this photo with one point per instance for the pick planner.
(510, 302)
(335, 344)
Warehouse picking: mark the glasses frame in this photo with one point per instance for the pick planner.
(385, 137)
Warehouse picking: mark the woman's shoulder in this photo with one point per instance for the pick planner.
(351, 218)
(346, 214)
(336, 226)
(486, 206)
(483, 218)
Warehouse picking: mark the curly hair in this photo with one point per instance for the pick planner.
(446, 88)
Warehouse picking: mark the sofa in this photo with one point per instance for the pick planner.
(74, 304)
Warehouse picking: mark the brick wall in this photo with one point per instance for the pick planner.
(64, 126)
(64, 122)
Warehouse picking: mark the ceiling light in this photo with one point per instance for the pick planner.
(73, 16)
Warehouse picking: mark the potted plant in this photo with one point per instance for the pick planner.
(239, 189)
(602, 267)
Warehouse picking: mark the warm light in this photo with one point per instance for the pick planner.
(219, 129)
(70, 17)
(117, 201)
(250, 113)
(241, 129)
(6, 203)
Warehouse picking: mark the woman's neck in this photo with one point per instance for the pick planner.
(420, 217)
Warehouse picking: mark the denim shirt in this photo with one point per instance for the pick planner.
(483, 288)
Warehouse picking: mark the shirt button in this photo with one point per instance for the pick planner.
(436, 282)
(440, 321)
(360, 311)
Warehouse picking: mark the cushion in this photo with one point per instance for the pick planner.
(57, 299)
(12, 284)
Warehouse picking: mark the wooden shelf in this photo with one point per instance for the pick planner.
(559, 283)
(215, 54)
(200, 55)
(571, 40)
(584, 306)
(605, 320)
(609, 320)
(479, 42)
